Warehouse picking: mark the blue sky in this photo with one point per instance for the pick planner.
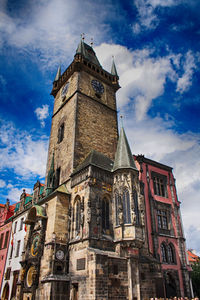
(156, 48)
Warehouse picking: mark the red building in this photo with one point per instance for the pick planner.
(6, 211)
(164, 227)
(192, 257)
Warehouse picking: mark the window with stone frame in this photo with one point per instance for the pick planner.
(136, 210)
(162, 219)
(105, 214)
(7, 274)
(61, 133)
(159, 184)
(1, 240)
(126, 207)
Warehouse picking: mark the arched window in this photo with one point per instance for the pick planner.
(126, 207)
(105, 214)
(163, 252)
(117, 203)
(135, 200)
(78, 215)
(170, 254)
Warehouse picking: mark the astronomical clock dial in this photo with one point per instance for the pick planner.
(60, 254)
(64, 90)
(97, 86)
(35, 244)
(30, 276)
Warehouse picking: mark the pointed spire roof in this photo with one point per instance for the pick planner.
(87, 52)
(113, 69)
(58, 74)
(123, 157)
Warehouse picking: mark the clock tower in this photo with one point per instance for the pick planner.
(84, 116)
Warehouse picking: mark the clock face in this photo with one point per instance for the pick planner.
(60, 254)
(30, 276)
(64, 90)
(97, 86)
(35, 245)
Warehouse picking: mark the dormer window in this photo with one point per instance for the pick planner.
(61, 133)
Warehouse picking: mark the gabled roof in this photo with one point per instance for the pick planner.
(87, 52)
(123, 157)
(96, 159)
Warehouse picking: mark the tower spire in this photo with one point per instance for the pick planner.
(123, 157)
(113, 68)
(58, 74)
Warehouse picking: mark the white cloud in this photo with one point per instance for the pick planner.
(42, 113)
(20, 152)
(185, 81)
(50, 30)
(2, 183)
(14, 193)
(147, 17)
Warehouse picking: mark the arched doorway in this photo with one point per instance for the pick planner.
(5, 293)
(170, 286)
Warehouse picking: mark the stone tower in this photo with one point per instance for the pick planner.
(86, 235)
(84, 116)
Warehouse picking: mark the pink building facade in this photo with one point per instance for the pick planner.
(6, 211)
(164, 226)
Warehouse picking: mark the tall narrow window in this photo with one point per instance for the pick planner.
(21, 223)
(18, 248)
(105, 214)
(162, 219)
(126, 207)
(15, 227)
(57, 181)
(6, 239)
(170, 254)
(11, 251)
(61, 133)
(1, 240)
(78, 215)
(117, 199)
(135, 200)
(163, 252)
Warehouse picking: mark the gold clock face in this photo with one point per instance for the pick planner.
(30, 276)
(35, 245)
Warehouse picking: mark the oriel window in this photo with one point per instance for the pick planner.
(117, 203)
(126, 207)
(135, 200)
(61, 133)
(78, 215)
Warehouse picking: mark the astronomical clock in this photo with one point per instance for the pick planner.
(36, 220)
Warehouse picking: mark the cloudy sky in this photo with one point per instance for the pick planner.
(156, 48)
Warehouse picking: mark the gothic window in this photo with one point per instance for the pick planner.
(117, 203)
(135, 200)
(78, 215)
(163, 252)
(61, 133)
(160, 185)
(126, 207)
(170, 254)
(105, 214)
(162, 219)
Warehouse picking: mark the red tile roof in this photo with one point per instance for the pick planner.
(192, 257)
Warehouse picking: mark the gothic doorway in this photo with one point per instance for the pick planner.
(5, 294)
(170, 286)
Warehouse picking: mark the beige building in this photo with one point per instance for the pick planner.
(87, 236)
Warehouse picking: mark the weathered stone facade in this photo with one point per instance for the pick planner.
(87, 236)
